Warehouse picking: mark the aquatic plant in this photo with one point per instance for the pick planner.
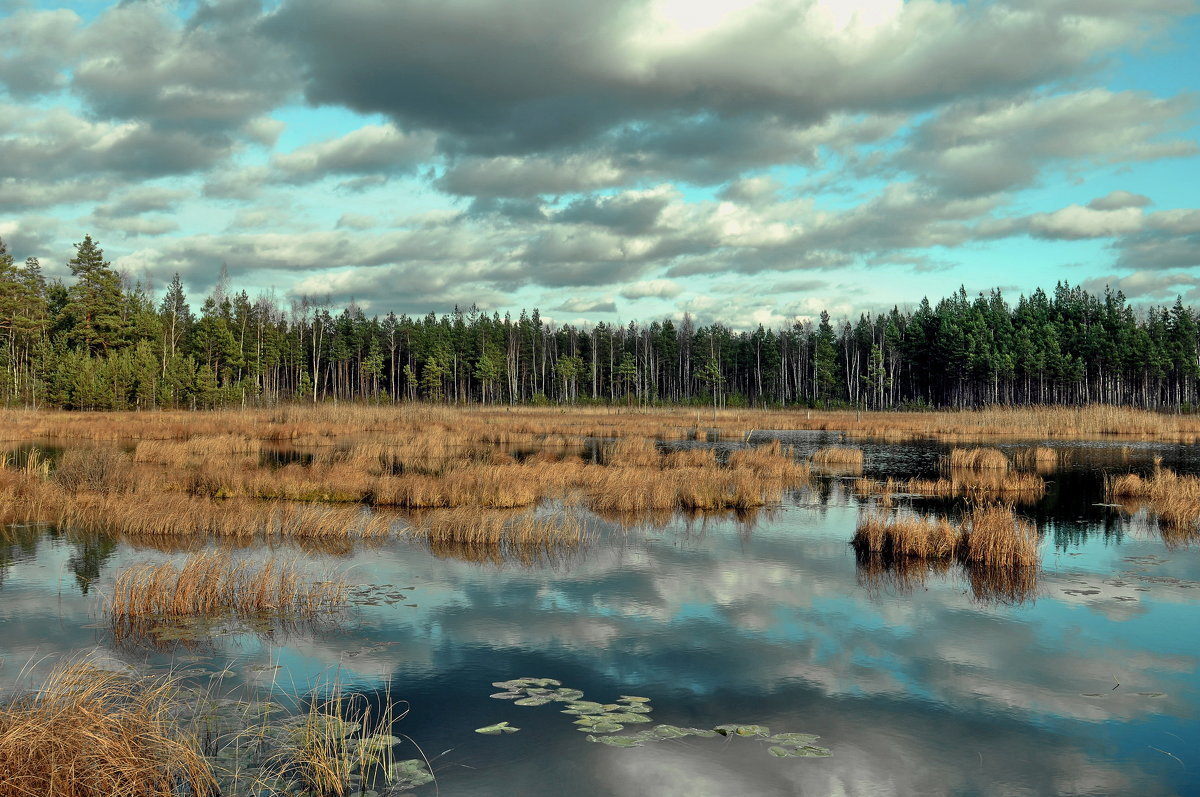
(213, 583)
(91, 732)
(1174, 499)
(978, 459)
(601, 721)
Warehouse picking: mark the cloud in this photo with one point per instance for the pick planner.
(370, 150)
(1118, 200)
(33, 50)
(210, 73)
(660, 288)
(981, 147)
(513, 78)
(1075, 222)
(578, 305)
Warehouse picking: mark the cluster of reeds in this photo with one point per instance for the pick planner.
(981, 485)
(492, 528)
(997, 550)
(841, 457)
(91, 732)
(977, 459)
(200, 448)
(1174, 499)
(1039, 458)
(214, 584)
(988, 535)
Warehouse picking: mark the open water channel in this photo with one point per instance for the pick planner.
(924, 685)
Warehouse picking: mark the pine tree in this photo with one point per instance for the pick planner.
(93, 312)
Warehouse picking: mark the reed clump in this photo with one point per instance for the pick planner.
(982, 485)
(1174, 499)
(1041, 459)
(978, 459)
(988, 535)
(91, 732)
(214, 584)
(96, 470)
(523, 529)
(839, 456)
(995, 536)
(906, 536)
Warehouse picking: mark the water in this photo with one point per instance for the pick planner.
(921, 686)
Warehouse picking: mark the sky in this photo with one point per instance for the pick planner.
(745, 161)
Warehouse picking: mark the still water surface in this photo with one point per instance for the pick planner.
(917, 686)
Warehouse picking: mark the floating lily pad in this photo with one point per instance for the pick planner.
(621, 716)
(498, 728)
(532, 701)
(743, 730)
(793, 739)
(632, 699)
(506, 695)
(617, 741)
(607, 727)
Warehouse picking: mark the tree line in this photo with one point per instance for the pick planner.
(103, 343)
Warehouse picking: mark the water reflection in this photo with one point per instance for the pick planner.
(919, 680)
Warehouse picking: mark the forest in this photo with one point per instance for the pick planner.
(101, 342)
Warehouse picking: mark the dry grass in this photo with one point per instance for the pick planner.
(213, 584)
(1039, 458)
(982, 485)
(989, 535)
(476, 528)
(89, 732)
(1172, 498)
(977, 459)
(996, 537)
(324, 425)
(906, 536)
(839, 456)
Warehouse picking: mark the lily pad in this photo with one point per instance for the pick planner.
(532, 701)
(621, 716)
(617, 741)
(498, 728)
(506, 695)
(793, 739)
(632, 699)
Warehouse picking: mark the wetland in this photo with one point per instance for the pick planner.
(480, 602)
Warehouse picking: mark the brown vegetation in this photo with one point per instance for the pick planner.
(1172, 498)
(977, 459)
(988, 535)
(324, 425)
(1039, 458)
(89, 732)
(213, 584)
(982, 485)
(843, 457)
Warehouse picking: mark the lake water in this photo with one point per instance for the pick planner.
(918, 684)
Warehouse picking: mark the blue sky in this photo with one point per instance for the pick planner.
(742, 160)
